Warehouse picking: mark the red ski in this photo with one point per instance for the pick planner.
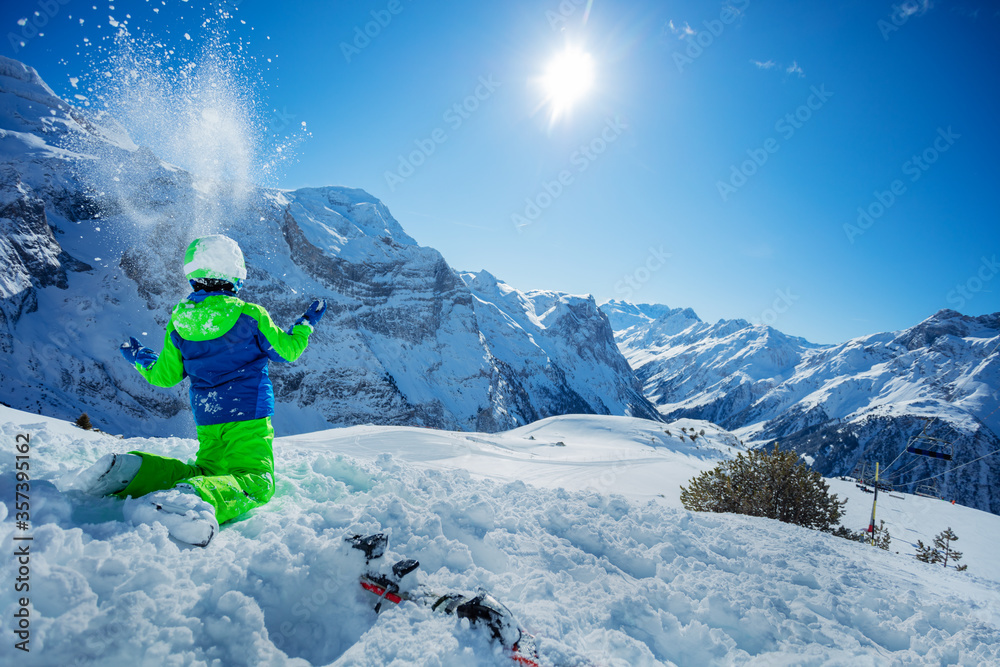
(479, 608)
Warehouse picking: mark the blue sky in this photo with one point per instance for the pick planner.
(719, 162)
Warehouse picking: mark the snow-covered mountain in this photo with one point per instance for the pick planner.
(94, 230)
(857, 402)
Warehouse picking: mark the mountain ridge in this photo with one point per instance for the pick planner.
(842, 405)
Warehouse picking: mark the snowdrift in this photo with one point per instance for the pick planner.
(601, 574)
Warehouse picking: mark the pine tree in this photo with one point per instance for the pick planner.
(848, 534)
(926, 554)
(773, 485)
(943, 542)
(83, 421)
(882, 538)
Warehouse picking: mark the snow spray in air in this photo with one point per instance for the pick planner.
(193, 141)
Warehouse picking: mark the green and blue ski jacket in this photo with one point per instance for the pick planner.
(223, 344)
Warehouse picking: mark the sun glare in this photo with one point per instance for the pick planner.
(567, 78)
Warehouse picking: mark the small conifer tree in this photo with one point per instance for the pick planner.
(942, 542)
(767, 484)
(882, 538)
(83, 421)
(927, 554)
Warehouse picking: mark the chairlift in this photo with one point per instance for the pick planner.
(934, 448)
(928, 491)
(864, 474)
(942, 450)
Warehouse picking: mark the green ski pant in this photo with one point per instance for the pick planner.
(233, 471)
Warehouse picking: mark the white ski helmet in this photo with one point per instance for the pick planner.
(215, 257)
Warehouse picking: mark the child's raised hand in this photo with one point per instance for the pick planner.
(315, 312)
(130, 350)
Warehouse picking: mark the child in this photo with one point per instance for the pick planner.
(223, 344)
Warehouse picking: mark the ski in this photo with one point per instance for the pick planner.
(479, 608)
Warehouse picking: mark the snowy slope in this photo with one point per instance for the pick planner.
(857, 402)
(596, 571)
(94, 230)
(577, 453)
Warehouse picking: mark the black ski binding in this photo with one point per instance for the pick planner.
(486, 608)
(373, 546)
(404, 567)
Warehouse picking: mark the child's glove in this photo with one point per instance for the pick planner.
(134, 352)
(130, 350)
(314, 314)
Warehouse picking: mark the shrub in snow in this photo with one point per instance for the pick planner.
(882, 538)
(773, 485)
(83, 421)
(941, 552)
(926, 554)
(943, 540)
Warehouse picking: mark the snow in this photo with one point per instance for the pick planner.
(574, 538)
(573, 452)
(188, 518)
(220, 256)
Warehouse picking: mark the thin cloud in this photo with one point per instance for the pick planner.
(681, 31)
(794, 68)
(911, 7)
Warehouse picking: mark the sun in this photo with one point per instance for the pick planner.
(568, 77)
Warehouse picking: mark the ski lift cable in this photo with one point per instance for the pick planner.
(906, 446)
(903, 469)
(956, 467)
(906, 470)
